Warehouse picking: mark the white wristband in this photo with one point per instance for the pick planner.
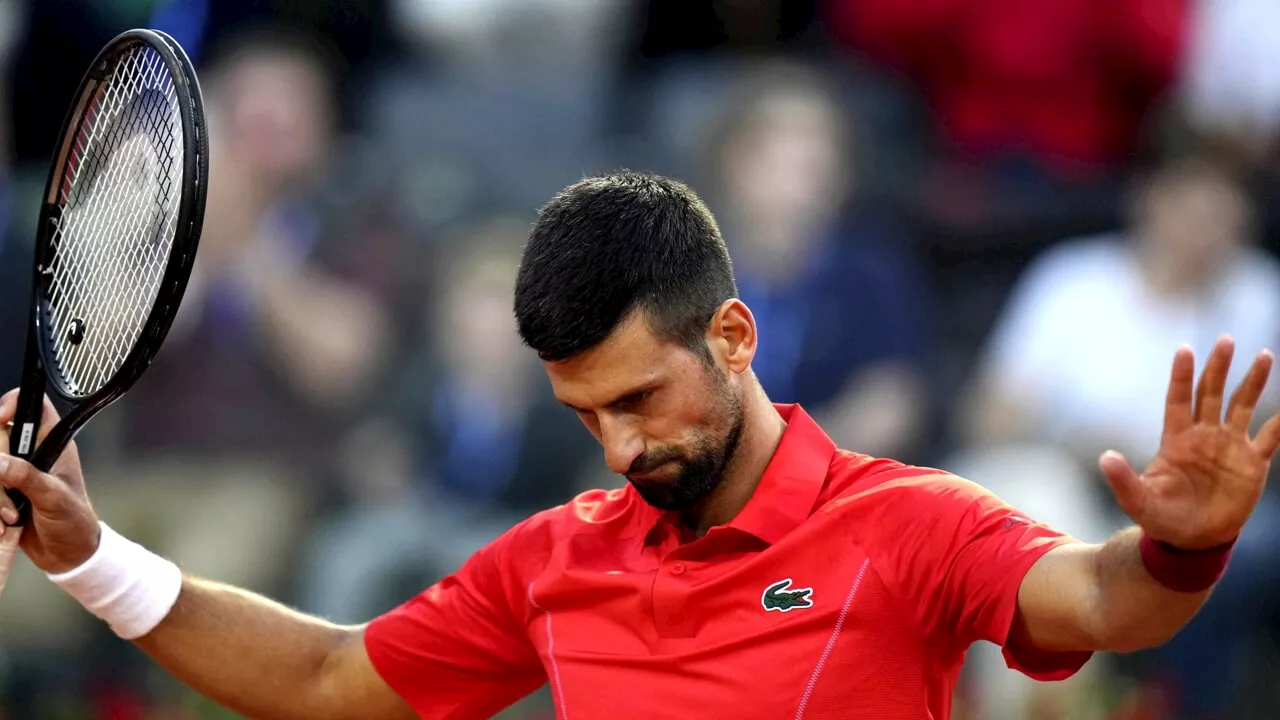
(125, 584)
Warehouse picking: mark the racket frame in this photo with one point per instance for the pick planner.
(36, 375)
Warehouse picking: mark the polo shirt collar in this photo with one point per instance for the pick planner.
(788, 489)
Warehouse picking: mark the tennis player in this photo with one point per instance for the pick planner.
(749, 569)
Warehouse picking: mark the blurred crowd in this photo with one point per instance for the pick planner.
(972, 232)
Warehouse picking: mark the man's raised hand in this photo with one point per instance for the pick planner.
(1203, 484)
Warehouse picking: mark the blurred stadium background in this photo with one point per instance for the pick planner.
(973, 233)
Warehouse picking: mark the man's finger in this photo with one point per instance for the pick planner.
(8, 510)
(40, 488)
(1245, 399)
(1267, 441)
(1178, 409)
(8, 406)
(1214, 382)
(8, 552)
(1127, 485)
(48, 416)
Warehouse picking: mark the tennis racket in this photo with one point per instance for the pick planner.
(119, 223)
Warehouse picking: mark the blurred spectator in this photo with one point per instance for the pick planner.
(1071, 362)
(473, 442)
(1079, 361)
(830, 281)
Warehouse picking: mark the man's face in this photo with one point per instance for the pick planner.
(667, 421)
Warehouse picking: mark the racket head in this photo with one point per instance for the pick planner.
(120, 222)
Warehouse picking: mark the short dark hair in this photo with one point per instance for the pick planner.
(610, 245)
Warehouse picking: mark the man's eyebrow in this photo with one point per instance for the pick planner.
(642, 388)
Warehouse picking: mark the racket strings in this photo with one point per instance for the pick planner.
(119, 200)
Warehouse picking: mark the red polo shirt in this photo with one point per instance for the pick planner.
(848, 587)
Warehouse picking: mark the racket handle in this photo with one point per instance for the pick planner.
(22, 504)
(26, 421)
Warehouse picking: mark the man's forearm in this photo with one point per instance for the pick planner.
(1134, 611)
(248, 653)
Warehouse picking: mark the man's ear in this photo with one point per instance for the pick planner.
(731, 335)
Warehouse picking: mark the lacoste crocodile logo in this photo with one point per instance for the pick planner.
(780, 597)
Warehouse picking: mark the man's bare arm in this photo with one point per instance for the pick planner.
(1098, 597)
(266, 661)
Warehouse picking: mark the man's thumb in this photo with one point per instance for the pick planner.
(1125, 483)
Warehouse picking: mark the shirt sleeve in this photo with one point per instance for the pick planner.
(958, 557)
(458, 649)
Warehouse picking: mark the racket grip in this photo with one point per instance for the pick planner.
(23, 433)
(22, 504)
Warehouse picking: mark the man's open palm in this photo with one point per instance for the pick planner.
(1209, 474)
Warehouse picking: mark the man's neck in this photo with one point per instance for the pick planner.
(762, 428)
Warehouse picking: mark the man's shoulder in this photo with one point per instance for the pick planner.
(861, 480)
(590, 509)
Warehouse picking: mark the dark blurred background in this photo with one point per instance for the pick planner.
(973, 232)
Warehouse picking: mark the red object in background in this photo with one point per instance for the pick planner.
(1068, 82)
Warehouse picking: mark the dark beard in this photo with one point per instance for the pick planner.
(700, 474)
